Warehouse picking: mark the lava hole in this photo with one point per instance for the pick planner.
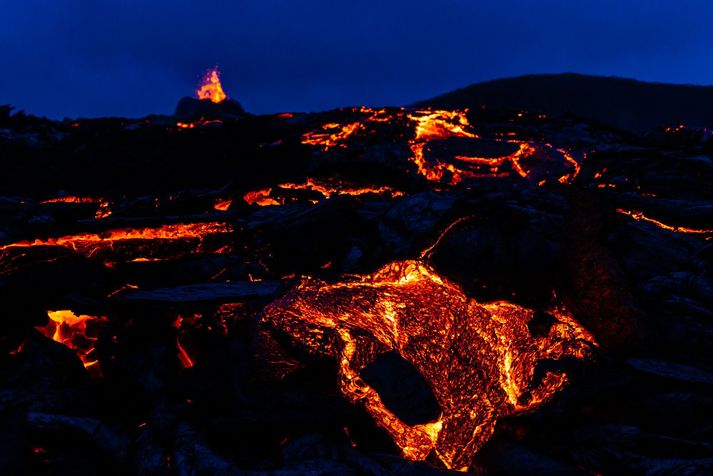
(541, 323)
(402, 389)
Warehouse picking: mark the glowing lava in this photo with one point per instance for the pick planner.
(210, 87)
(478, 359)
(326, 188)
(89, 243)
(441, 124)
(260, 197)
(222, 204)
(103, 206)
(639, 216)
(332, 135)
(71, 199)
(78, 332)
(430, 125)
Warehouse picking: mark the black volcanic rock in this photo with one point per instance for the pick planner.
(190, 108)
(625, 103)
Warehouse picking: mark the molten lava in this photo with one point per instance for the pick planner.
(89, 243)
(332, 135)
(479, 359)
(78, 332)
(222, 204)
(441, 124)
(260, 197)
(103, 206)
(434, 125)
(326, 188)
(430, 125)
(199, 123)
(71, 199)
(210, 87)
(639, 216)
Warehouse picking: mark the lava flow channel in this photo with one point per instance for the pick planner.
(478, 359)
(89, 244)
(325, 188)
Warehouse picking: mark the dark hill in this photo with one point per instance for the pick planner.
(626, 103)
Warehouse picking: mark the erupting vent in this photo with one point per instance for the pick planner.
(210, 87)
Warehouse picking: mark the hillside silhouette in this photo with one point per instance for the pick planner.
(625, 103)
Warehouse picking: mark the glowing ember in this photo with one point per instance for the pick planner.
(222, 205)
(478, 359)
(210, 87)
(103, 211)
(639, 216)
(260, 197)
(89, 243)
(74, 331)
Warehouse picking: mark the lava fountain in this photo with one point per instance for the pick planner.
(210, 87)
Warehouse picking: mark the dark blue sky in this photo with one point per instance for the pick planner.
(134, 57)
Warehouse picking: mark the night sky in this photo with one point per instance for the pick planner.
(135, 57)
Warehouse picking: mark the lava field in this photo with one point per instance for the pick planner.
(395, 291)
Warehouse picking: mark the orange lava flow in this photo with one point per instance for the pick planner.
(183, 358)
(210, 87)
(89, 243)
(639, 216)
(437, 125)
(71, 330)
(72, 199)
(222, 205)
(103, 209)
(199, 123)
(478, 359)
(327, 189)
(568, 178)
(441, 124)
(260, 197)
(332, 135)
